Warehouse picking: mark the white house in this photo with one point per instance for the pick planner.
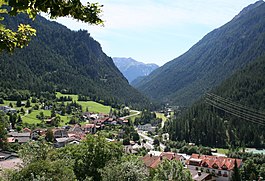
(220, 167)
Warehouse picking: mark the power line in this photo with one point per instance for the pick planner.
(213, 96)
(235, 109)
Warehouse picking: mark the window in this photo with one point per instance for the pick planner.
(219, 173)
(205, 164)
(225, 174)
(215, 166)
(224, 167)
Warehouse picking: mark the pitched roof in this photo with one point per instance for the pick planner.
(215, 162)
(88, 126)
(16, 134)
(75, 129)
(153, 161)
(26, 130)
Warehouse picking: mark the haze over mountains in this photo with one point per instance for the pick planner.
(209, 62)
(132, 69)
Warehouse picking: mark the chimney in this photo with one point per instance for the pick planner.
(199, 173)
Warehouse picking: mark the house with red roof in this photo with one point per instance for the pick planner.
(153, 160)
(220, 167)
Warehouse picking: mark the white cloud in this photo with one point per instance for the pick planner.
(141, 20)
(151, 13)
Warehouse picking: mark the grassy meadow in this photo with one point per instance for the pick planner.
(32, 119)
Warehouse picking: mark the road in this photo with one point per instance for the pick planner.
(142, 135)
(149, 139)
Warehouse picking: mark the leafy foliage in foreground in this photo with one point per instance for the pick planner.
(20, 38)
(93, 159)
(90, 156)
(171, 170)
(129, 168)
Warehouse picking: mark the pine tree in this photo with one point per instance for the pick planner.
(236, 173)
(18, 102)
(28, 103)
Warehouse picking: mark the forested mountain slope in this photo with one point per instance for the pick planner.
(213, 59)
(237, 121)
(132, 69)
(63, 60)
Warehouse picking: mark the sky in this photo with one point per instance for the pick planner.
(156, 31)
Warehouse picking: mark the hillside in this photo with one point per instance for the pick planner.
(243, 122)
(132, 69)
(210, 61)
(59, 59)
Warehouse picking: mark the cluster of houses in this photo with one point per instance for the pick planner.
(68, 134)
(201, 167)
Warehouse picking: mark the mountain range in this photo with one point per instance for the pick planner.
(59, 59)
(132, 69)
(213, 59)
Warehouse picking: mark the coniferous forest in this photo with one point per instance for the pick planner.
(207, 125)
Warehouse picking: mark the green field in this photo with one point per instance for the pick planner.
(31, 118)
(74, 97)
(90, 105)
(222, 150)
(94, 107)
(161, 115)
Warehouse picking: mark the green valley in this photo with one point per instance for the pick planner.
(68, 113)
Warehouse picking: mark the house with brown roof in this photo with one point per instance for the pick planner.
(76, 132)
(152, 161)
(89, 128)
(220, 167)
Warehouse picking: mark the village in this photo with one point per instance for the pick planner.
(142, 141)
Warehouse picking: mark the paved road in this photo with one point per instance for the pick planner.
(142, 135)
(149, 139)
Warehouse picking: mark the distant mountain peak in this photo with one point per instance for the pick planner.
(133, 69)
